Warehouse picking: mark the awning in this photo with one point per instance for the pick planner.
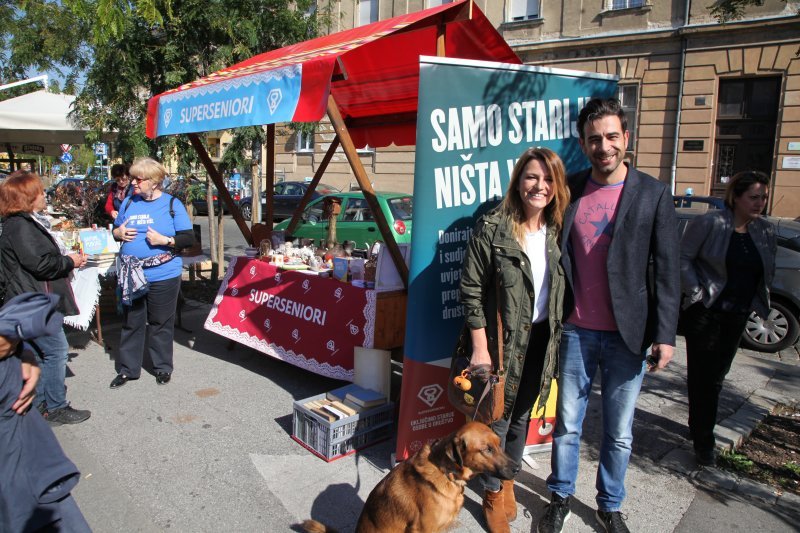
(372, 71)
(37, 123)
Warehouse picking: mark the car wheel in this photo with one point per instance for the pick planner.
(247, 212)
(776, 333)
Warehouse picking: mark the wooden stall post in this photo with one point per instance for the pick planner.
(313, 185)
(270, 188)
(366, 187)
(213, 173)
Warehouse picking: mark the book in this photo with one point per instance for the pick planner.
(365, 397)
(330, 417)
(334, 411)
(355, 407)
(338, 395)
(349, 411)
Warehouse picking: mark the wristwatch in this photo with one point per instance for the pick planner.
(171, 241)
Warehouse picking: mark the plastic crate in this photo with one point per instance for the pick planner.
(332, 440)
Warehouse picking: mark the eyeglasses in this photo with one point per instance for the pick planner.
(137, 178)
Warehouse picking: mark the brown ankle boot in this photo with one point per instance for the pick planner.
(494, 512)
(509, 502)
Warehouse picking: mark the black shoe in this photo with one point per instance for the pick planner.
(555, 516)
(162, 378)
(119, 381)
(67, 415)
(612, 522)
(705, 457)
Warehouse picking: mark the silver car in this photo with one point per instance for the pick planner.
(781, 328)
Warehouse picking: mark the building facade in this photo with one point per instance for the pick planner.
(704, 99)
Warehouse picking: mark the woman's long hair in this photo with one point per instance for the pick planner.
(511, 206)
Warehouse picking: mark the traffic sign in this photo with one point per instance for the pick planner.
(66, 157)
(66, 147)
(100, 149)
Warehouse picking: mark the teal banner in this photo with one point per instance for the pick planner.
(474, 120)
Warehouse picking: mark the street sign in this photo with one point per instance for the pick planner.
(56, 168)
(100, 149)
(66, 157)
(66, 147)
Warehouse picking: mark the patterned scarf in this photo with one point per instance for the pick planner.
(131, 278)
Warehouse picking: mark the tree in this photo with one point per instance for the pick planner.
(41, 36)
(727, 10)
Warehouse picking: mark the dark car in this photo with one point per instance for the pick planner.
(699, 202)
(200, 205)
(285, 200)
(781, 328)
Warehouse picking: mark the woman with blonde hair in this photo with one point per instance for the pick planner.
(514, 257)
(152, 226)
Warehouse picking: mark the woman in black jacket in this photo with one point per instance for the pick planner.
(727, 267)
(32, 261)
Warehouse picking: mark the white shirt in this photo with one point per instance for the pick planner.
(536, 250)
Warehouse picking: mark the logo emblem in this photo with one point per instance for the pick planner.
(242, 315)
(353, 329)
(167, 117)
(252, 271)
(306, 285)
(296, 335)
(267, 325)
(430, 393)
(274, 99)
(332, 347)
(234, 291)
(278, 277)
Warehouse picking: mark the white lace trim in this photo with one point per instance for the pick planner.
(290, 71)
(311, 364)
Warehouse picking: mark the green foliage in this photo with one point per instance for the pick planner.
(793, 468)
(158, 45)
(735, 461)
(727, 10)
(40, 36)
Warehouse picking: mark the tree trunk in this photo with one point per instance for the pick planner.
(220, 271)
(212, 230)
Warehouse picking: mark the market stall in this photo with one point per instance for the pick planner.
(364, 79)
(309, 321)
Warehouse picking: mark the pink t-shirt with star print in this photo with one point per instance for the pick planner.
(590, 238)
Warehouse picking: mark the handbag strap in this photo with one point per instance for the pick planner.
(499, 364)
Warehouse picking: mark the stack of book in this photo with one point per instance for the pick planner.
(345, 402)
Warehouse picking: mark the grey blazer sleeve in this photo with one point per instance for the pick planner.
(666, 269)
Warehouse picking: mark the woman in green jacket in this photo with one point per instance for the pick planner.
(514, 254)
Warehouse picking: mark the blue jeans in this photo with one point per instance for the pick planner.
(52, 358)
(621, 374)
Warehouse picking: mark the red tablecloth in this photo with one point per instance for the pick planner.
(305, 320)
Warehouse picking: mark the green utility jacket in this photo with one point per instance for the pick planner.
(494, 255)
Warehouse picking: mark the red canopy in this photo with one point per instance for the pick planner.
(372, 71)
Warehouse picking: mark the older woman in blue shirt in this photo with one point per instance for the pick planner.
(152, 226)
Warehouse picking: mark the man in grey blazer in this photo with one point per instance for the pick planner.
(620, 253)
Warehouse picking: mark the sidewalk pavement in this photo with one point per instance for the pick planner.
(211, 450)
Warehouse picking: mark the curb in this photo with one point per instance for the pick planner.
(729, 434)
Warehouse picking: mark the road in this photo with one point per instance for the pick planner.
(234, 241)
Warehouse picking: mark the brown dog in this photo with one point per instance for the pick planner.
(426, 492)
